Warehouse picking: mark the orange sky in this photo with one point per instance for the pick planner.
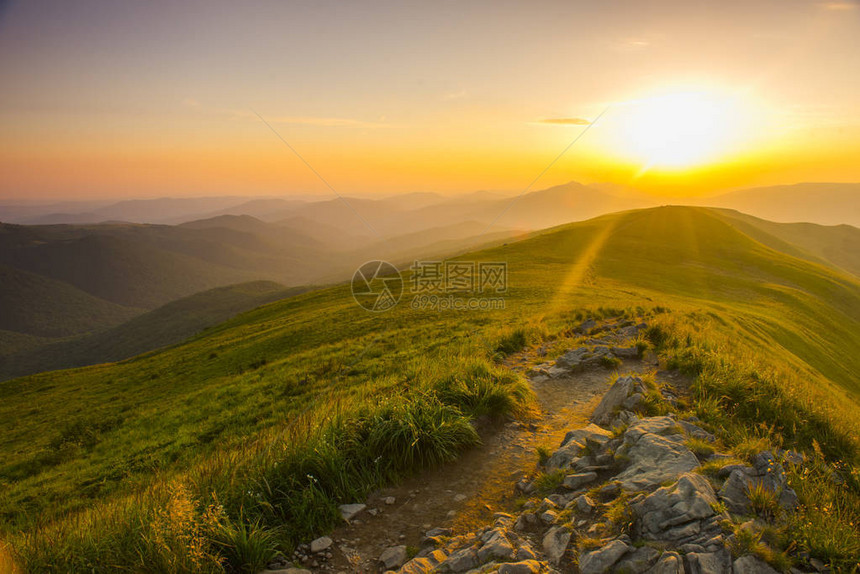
(104, 99)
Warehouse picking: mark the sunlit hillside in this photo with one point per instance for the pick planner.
(247, 411)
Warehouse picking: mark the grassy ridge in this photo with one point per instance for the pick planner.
(43, 307)
(167, 325)
(755, 403)
(318, 368)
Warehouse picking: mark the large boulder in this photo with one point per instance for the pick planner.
(393, 557)
(350, 511)
(576, 481)
(766, 472)
(751, 565)
(582, 357)
(614, 398)
(496, 546)
(588, 434)
(320, 544)
(555, 543)
(680, 513)
(719, 562)
(669, 563)
(638, 561)
(601, 560)
(653, 458)
(460, 561)
(574, 443)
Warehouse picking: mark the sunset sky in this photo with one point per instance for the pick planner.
(140, 99)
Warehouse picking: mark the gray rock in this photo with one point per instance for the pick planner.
(497, 546)
(609, 490)
(525, 521)
(586, 326)
(654, 459)
(631, 331)
(350, 511)
(576, 481)
(574, 443)
(751, 565)
(573, 358)
(697, 432)
(393, 557)
(601, 560)
(727, 470)
(564, 456)
(320, 544)
(523, 567)
(418, 566)
(526, 552)
(591, 434)
(664, 426)
(525, 486)
(638, 561)
(632, 401)
(612, 400)
(548, 516)
(287, 570)
(460, 561)
(624, 419)
(584, 504)
(580, 358)
(555, 543)
(669, 563)
(734, 492)
(625, 352)
(438, 531)
(389, 500)
(675, 512)
(710, 563)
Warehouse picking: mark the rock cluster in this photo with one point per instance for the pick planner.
(630, 499)
(614, 344)
(623, 494)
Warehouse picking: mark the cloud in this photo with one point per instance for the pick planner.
(565, 121)
(631, 44)
(454, 96)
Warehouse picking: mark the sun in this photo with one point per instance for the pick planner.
(678, 130)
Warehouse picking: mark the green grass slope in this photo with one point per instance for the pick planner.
(36, 305)
(120, 269)
(167, 325)
(284, 410)
(834, 245)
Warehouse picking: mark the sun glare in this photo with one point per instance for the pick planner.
(679, 130)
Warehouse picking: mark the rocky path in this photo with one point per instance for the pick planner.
(622, 490)
(465, 495)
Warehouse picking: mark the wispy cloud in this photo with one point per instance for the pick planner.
(565, 121)
(630, 44)
(315, 121)
(454, 95)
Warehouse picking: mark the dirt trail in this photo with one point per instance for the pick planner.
(463, 495)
